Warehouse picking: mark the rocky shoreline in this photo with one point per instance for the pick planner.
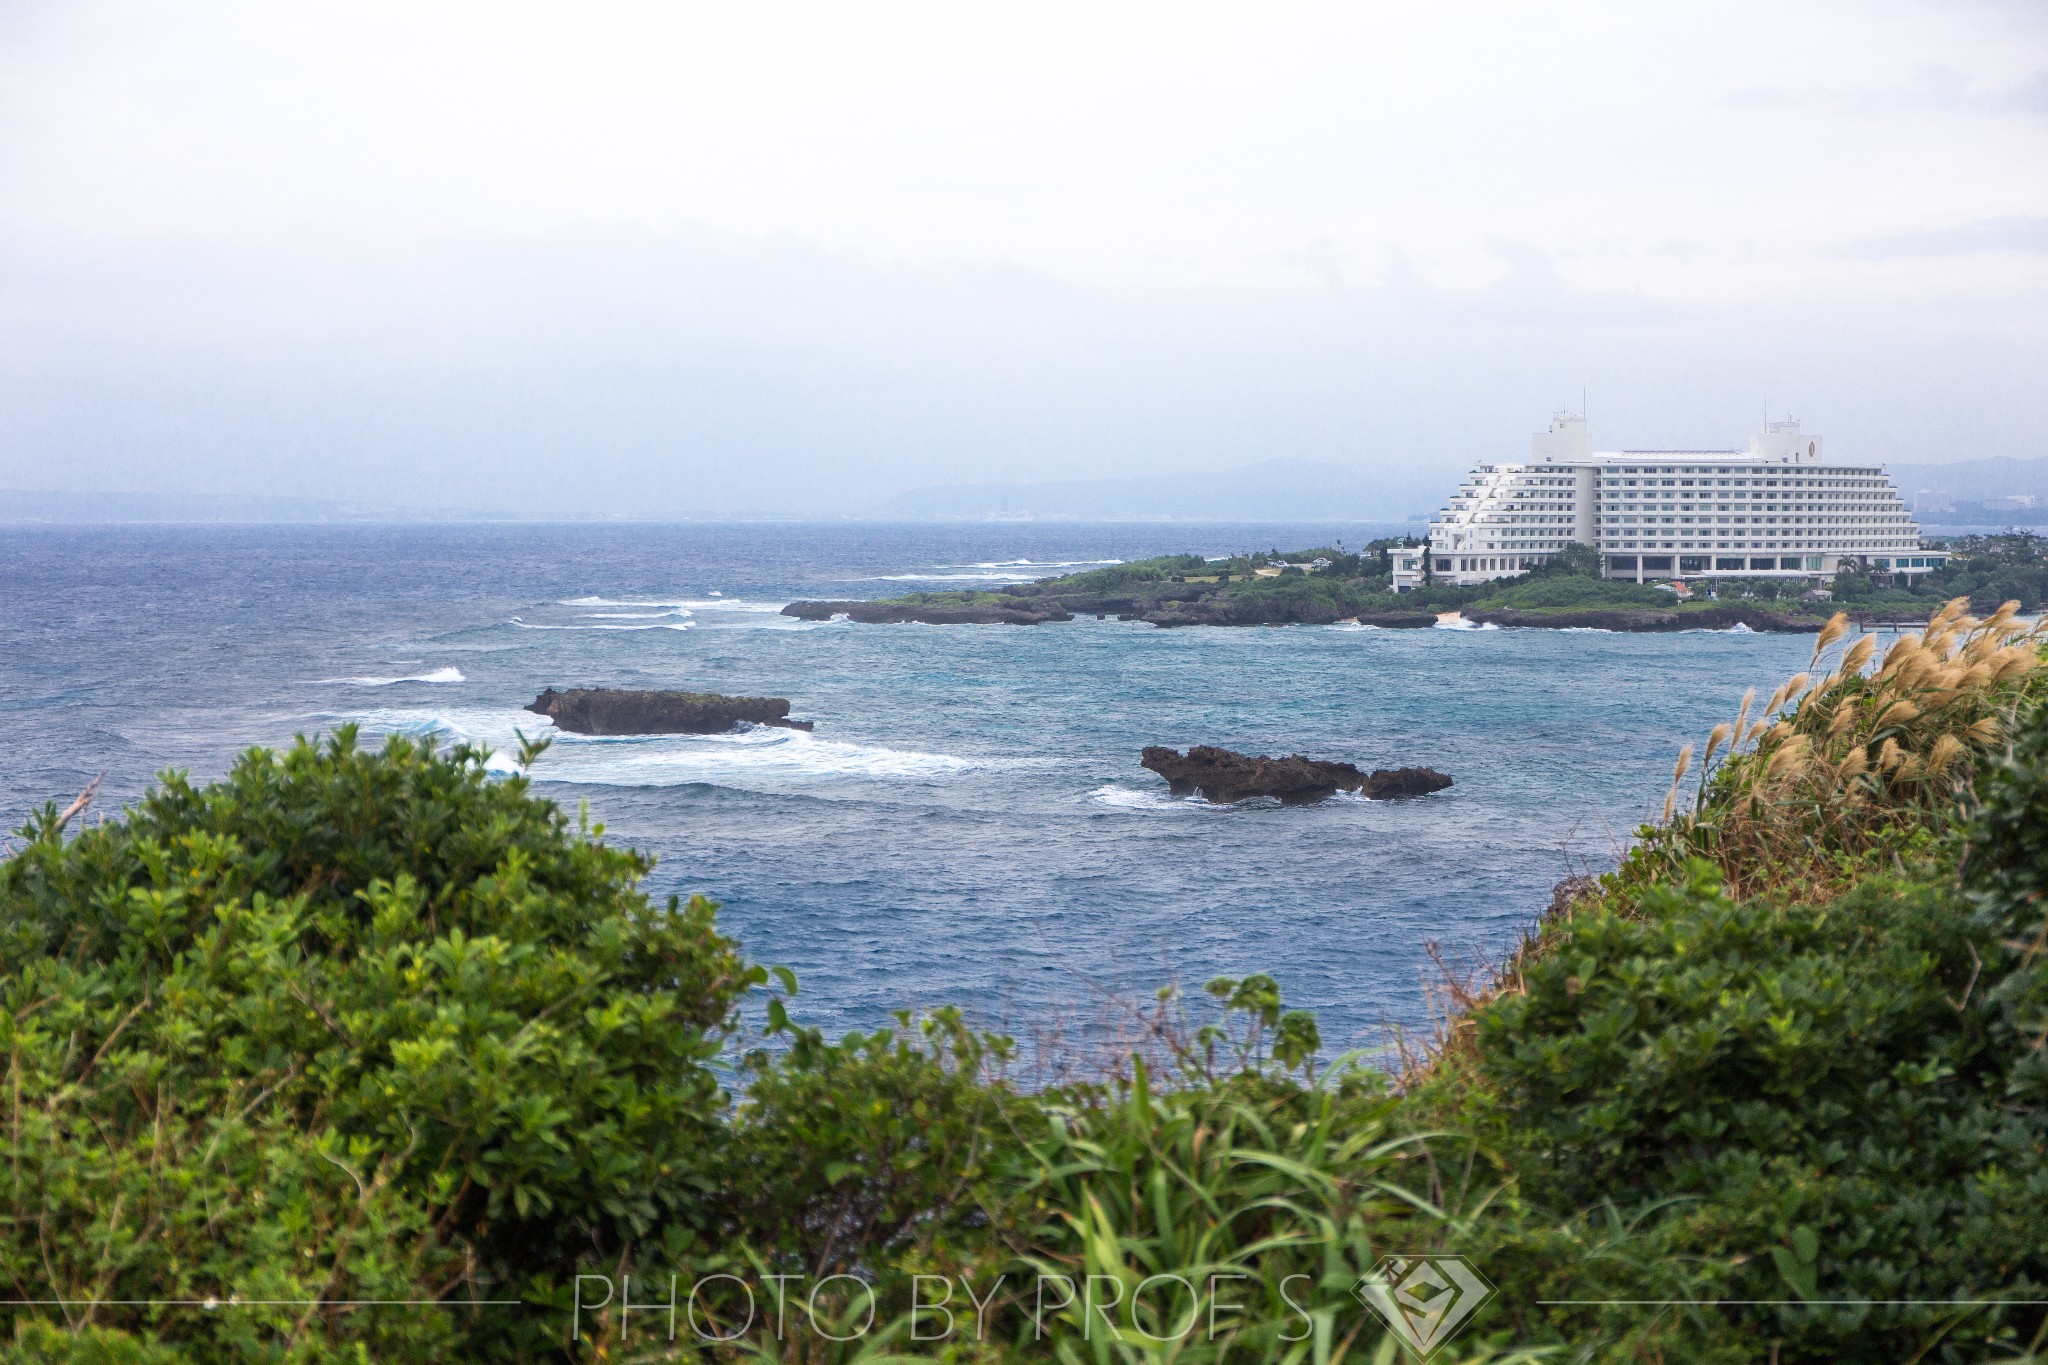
(1019, 610)
(1717, 617)
(1227, 611)
(1187, 590)
(613, 711)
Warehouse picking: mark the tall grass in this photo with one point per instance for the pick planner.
(1843, 764)
(1846, 760)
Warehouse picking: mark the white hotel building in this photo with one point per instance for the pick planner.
(1775, 510)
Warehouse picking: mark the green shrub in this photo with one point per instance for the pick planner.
(1797, 1103)
(1758, 1106)
(1572, 590)
(1251, 1197)
(345, 1026)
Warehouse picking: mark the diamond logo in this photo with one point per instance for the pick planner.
(1424, 1300)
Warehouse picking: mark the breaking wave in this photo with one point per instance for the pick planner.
(756, 752)
(439, 675)
(653, 625)
(1119, 797)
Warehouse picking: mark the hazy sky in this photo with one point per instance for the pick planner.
(671, 257)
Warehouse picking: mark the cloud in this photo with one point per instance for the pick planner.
(623, 371)
(1933, 89)
(2025, 235)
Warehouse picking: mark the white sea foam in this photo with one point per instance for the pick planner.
(1461, 623)
(683, 612)
(655, 625)
(1032, 564)
(1738, 629)
(732, 604)
(1119, 797)
(755, 752)
(715, 602)
(439, 675)
(752, 753)
(488, 727)
(1353, 626)
(1131, 798)
(621, 602)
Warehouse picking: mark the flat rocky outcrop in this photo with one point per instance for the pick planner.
(611, 711)
(931, 613)
(1224, 776)
(1397, 620)
(1651, 619)
(1030, 609)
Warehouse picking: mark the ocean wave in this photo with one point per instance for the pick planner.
(752, 753)
(1119, 797)
(683, 612)
(685, 605)
(439, 675)
(1460, 623)
(759, 752)
(620, 602)
(488, 727)
(1032, 564)
(655, 625)
(939, 578)
(1353, 626)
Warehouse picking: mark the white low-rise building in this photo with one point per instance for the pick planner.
(1775, 510)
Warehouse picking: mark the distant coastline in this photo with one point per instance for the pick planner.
(1329, 585)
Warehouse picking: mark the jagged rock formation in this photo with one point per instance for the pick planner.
(1224, 776)
(610, 711)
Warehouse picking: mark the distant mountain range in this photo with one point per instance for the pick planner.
(1973, 480)
(1954, 497)
(1272, 490)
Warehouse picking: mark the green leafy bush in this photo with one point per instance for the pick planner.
(1799, 1103)
(1728, 1126)
(344, 1026)
(1573, 590)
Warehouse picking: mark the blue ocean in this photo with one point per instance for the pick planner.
(968, 823)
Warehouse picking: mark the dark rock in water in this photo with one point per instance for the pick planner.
(1014, 612)
(608, 711)
(1382, 784)
(1224, 776)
